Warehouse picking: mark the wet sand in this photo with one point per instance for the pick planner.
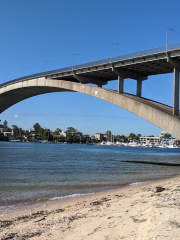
(133, 213)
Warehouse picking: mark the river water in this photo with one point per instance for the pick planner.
(32, 172)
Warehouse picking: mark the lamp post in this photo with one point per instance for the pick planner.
(169, 29)
(73, 59)
(23, 70)
(45, 65)
(5, 77)
(112, 49)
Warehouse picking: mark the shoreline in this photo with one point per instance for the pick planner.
(21, 205)
(132, 212)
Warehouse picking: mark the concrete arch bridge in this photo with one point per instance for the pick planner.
(137, 66)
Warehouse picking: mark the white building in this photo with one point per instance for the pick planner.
(164, 135)
(63, 134)
(166, 138)
(149, 140)
(7, 134)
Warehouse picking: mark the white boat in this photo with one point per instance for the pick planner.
(119, 143)
(109, 143)
(125, 144)
(156, 145)
(144, 145)
(15, 140)
(172, 146)
(133, 144)
(36, 141)
(162, 146)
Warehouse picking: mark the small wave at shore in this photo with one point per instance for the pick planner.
(70, 196)
(139, 183)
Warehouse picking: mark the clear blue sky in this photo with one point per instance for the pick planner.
(35, 31)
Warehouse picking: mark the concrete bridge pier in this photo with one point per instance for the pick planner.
(176, 92)
(176, 64)
(120, 84)
(139, 88)
(122, 74)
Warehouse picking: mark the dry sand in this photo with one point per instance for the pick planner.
(133, 213)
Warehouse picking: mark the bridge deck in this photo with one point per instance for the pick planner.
(147, 62)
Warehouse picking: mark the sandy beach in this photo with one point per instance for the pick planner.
(133, 213)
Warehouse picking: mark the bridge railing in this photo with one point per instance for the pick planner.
(100, 62)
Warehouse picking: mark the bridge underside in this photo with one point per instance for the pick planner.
(12, 97)
(136, 68)
(154, 112)
(143, 68)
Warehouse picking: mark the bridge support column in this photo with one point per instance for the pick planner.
(176, 92)
(139, 88)
(122, 74)
(120, 84)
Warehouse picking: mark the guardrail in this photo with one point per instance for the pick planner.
(103, 61)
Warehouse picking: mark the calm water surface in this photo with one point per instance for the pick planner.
(31, 172)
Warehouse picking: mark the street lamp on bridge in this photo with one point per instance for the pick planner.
(45, 66)
(112, 49)
(73, 59)
(5, 76)
(169, 29)
(23, 70)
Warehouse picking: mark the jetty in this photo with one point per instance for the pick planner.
(152, 162)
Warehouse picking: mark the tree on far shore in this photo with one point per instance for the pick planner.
(58, 131)
(14, 126)
(70, 133)
(134, 136)
(36, 127)
(5, 125)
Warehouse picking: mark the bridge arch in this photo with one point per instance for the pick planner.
(158, 114)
